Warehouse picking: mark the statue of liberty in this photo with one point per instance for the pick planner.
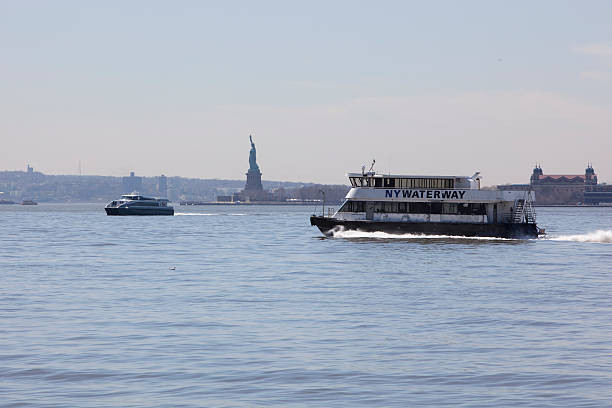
(253, 184)
(253, 156)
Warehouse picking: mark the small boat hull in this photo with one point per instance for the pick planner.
(328, 225)
(139, 211)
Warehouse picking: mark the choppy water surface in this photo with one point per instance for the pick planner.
(250, 306)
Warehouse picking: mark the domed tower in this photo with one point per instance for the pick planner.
(589, 175)
(537, 172)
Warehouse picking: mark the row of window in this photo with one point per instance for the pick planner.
(391, 182)
(145, 204)
(415, 208)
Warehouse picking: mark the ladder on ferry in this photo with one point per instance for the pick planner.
(524, 212)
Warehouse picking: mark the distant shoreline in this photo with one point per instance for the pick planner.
(287, 203)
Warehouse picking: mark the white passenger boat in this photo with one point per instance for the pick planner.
(136, 204)
(431, 205)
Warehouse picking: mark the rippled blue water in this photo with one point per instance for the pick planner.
(250, 306)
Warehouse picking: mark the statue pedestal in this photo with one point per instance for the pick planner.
(253, 182)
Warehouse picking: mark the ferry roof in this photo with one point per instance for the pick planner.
(140, 197)
(369, 174)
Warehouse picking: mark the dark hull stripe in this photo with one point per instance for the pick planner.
(502, 230)
(138, 211)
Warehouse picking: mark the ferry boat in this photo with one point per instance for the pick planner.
(136, 204)
(431, 205)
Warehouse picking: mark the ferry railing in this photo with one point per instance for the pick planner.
(326, 212)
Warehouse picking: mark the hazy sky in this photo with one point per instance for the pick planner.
(436, 87)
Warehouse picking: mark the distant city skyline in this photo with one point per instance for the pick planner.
(425, 88)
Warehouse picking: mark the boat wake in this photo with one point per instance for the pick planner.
(351, 234)
(207, 214)
(600, 236)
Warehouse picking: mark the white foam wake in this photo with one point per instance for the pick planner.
(208, 214)
(180, 213)
(601, 236)
(342, 233)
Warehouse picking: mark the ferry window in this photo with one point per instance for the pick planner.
(351, 206)
(402, 207)
(378, 182)
(390, 207)
(478, 209)
(419, 208)
(436, 208)
(449, 208)
(369, 182)
(471, 209)
(389, 182)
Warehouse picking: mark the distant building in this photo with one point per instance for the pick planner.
(162, 186)
(565, 189)
(131, 184)
(561, 188)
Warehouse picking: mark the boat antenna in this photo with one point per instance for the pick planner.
(372, 166)
(323, 193)
(363, 170)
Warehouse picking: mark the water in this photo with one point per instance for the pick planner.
(250, 306)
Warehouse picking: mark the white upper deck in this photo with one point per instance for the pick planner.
(138, 197)
(375, 180)
(371, 186)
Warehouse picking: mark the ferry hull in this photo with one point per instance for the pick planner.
(502, 230)
(139, 211)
